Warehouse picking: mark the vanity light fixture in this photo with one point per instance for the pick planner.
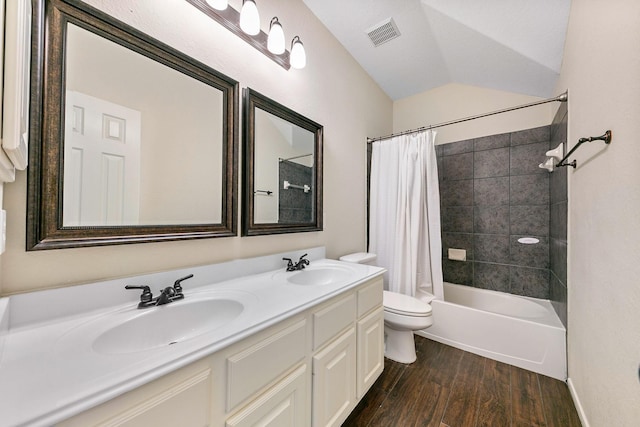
(218, 4)
(250, 18)
(275, 41)
(298, 56)
(246, 25)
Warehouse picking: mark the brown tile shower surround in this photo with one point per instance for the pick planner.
(447, 387)
(492, 192)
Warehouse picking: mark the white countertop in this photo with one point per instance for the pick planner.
(49, 370)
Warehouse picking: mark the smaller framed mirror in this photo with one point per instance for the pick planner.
(282, 169)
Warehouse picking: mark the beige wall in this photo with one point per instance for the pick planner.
(332, 90)
(601, 69)
(456, 101)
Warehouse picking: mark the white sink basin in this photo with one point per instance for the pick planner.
(321, 275)
(166, 325)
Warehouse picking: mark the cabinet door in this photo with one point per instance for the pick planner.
(178, 399)
(370, 350)
(284, 405)
(334, 379)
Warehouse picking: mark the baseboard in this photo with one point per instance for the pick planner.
(578, 405)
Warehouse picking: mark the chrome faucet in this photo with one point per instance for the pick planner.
(300, 265)
(167, 295)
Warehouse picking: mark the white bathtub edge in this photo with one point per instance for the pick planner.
(547, 367)
(576, 401)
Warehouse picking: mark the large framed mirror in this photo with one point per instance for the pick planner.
(131, 140)
(282, 182)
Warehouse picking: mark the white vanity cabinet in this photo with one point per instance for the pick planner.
(181, 398)
(334, 361)
(266, 378)
(370, 335)
(348, 352)
(334, 380)
(284, 405)
(308, 370)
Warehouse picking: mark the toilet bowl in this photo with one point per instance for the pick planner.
(403, 314)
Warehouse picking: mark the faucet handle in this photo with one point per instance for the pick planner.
(289, 263)
(177, 286)
(303, 260)
(146, 295)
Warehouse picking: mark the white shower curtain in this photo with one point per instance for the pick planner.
(404, 229)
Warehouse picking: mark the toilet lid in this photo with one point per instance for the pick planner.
(405, 304)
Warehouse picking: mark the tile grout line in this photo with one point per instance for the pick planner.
(446, 406)
(544, 412)
(510, 396)
(386, 395)
(477, 402)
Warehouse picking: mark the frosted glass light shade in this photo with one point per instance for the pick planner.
(249, 18)
(275, 41)
(298, 58)
(218, 4)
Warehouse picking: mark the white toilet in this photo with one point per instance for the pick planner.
(403, 314)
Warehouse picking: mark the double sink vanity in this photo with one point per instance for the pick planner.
(239, 342)
(281, 347)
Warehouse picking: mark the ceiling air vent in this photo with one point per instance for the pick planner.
(383, 32)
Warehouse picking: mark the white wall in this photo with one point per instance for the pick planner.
(456, 101)
(332, 90)
(601, 69)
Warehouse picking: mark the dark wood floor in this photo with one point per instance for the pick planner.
(447, 387)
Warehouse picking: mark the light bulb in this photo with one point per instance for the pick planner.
(218, 4)
(298, 58)
(275, 41)
(249, 18)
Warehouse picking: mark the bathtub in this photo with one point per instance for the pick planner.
(520, 331)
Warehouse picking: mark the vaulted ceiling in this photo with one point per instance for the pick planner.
(510, 45)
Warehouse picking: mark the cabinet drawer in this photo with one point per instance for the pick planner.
(370, 297)
(287, 404)
(333, 318)
(257, 366)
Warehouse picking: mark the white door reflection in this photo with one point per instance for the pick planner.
(102, 162)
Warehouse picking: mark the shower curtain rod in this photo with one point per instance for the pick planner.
(560, 98)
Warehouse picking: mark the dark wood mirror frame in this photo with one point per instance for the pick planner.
(253, 100)
(44, 192)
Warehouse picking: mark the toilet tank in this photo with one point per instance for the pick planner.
(360, 258)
